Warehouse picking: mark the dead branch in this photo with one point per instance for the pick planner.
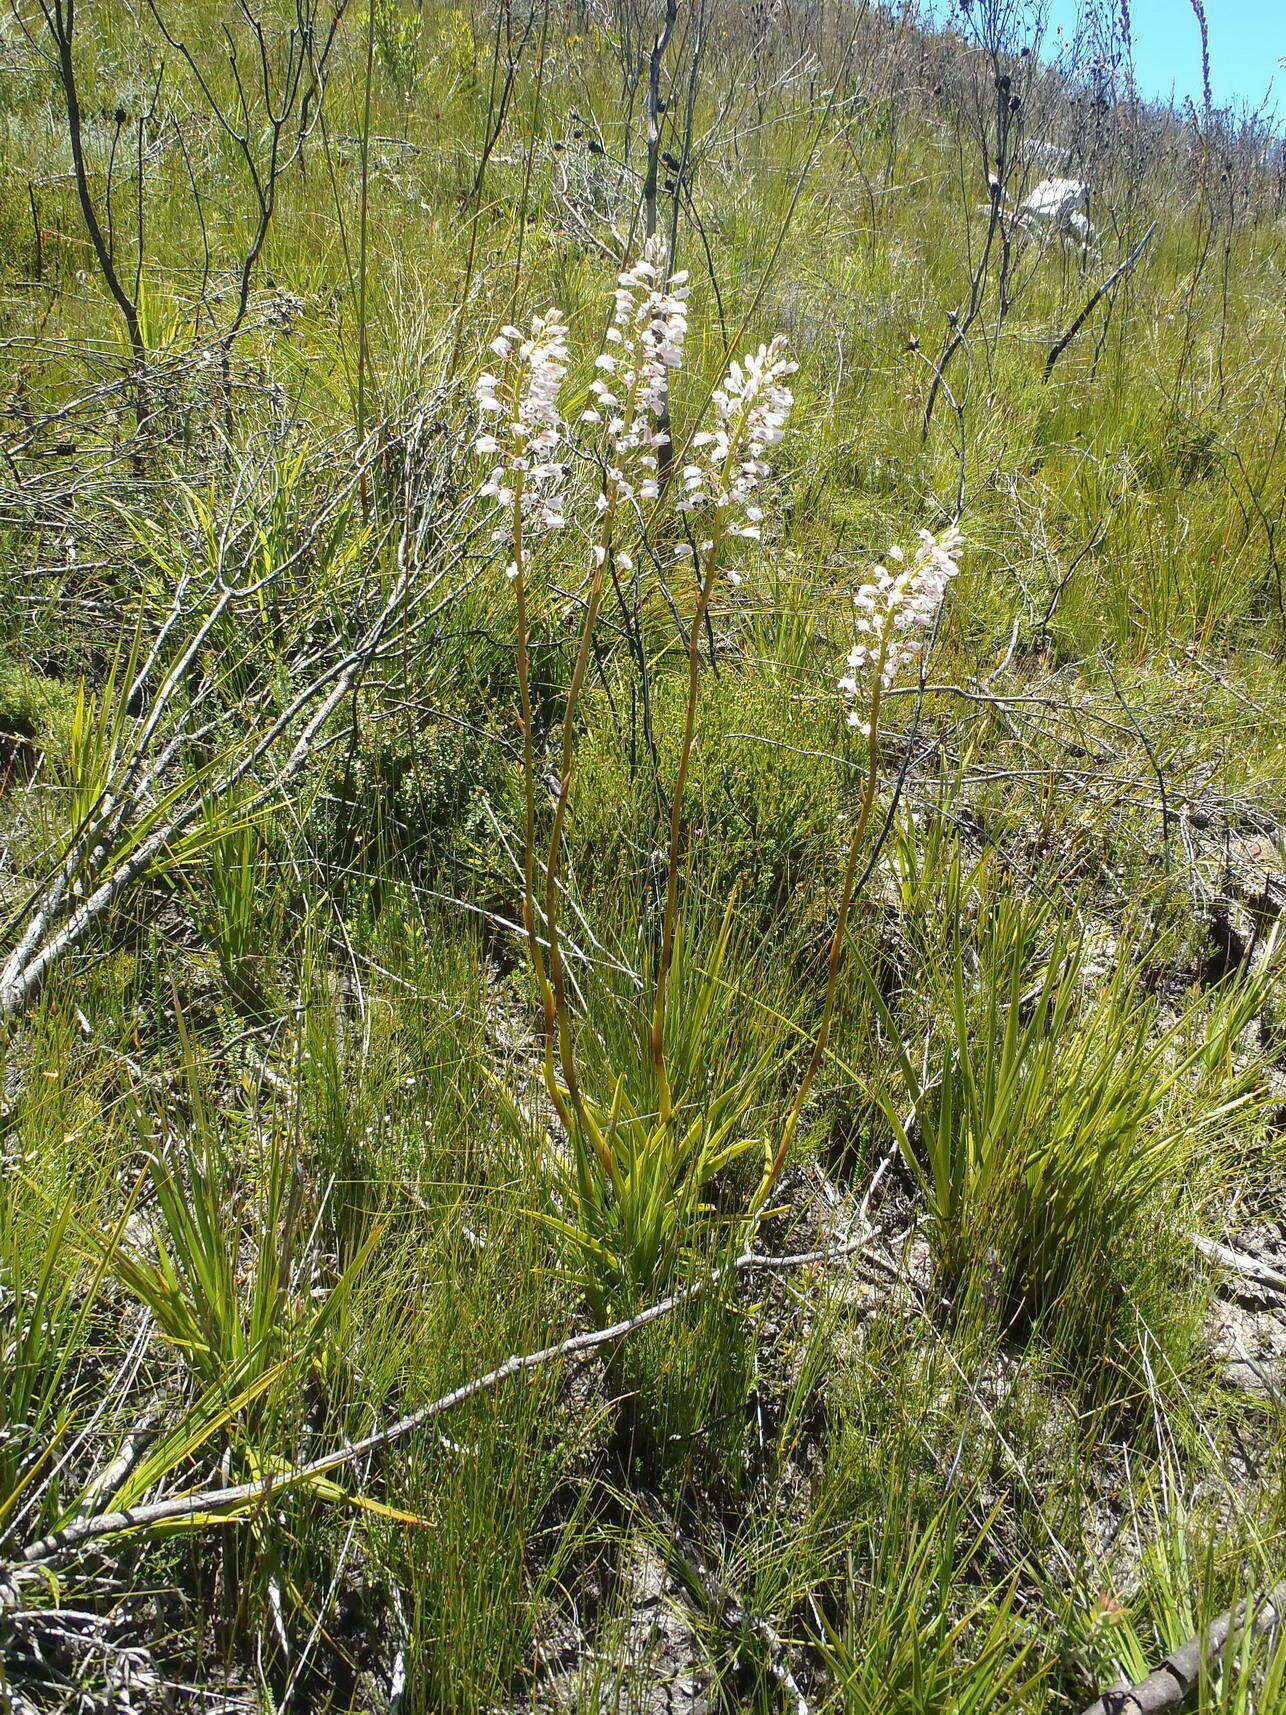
(199, 1502)
(143, 813)
(1167, 1686)
(1118, 273)
(1249, 1267)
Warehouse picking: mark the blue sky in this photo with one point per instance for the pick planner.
(1247, 44)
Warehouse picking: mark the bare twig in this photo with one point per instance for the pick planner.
(655, 109)
(724, 1604)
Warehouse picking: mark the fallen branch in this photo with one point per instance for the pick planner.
(1168, 1685)
(1249, 1267)
(1123, 268)
(239, 1495)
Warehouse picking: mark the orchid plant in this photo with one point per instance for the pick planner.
(896, 614)
(629, 1184)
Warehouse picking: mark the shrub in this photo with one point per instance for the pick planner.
(35, 714)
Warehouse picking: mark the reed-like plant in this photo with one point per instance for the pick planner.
(1052, 1111)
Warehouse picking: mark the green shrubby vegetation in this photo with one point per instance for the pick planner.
(404, 965)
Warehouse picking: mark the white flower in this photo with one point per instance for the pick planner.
(896, 612)
(728, 465)
(525, 397)
(649, 325)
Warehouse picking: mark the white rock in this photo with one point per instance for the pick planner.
(1058, 205)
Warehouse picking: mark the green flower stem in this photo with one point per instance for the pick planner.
(530, 920)
(836, 949)
(705, 589)
(558, 987)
